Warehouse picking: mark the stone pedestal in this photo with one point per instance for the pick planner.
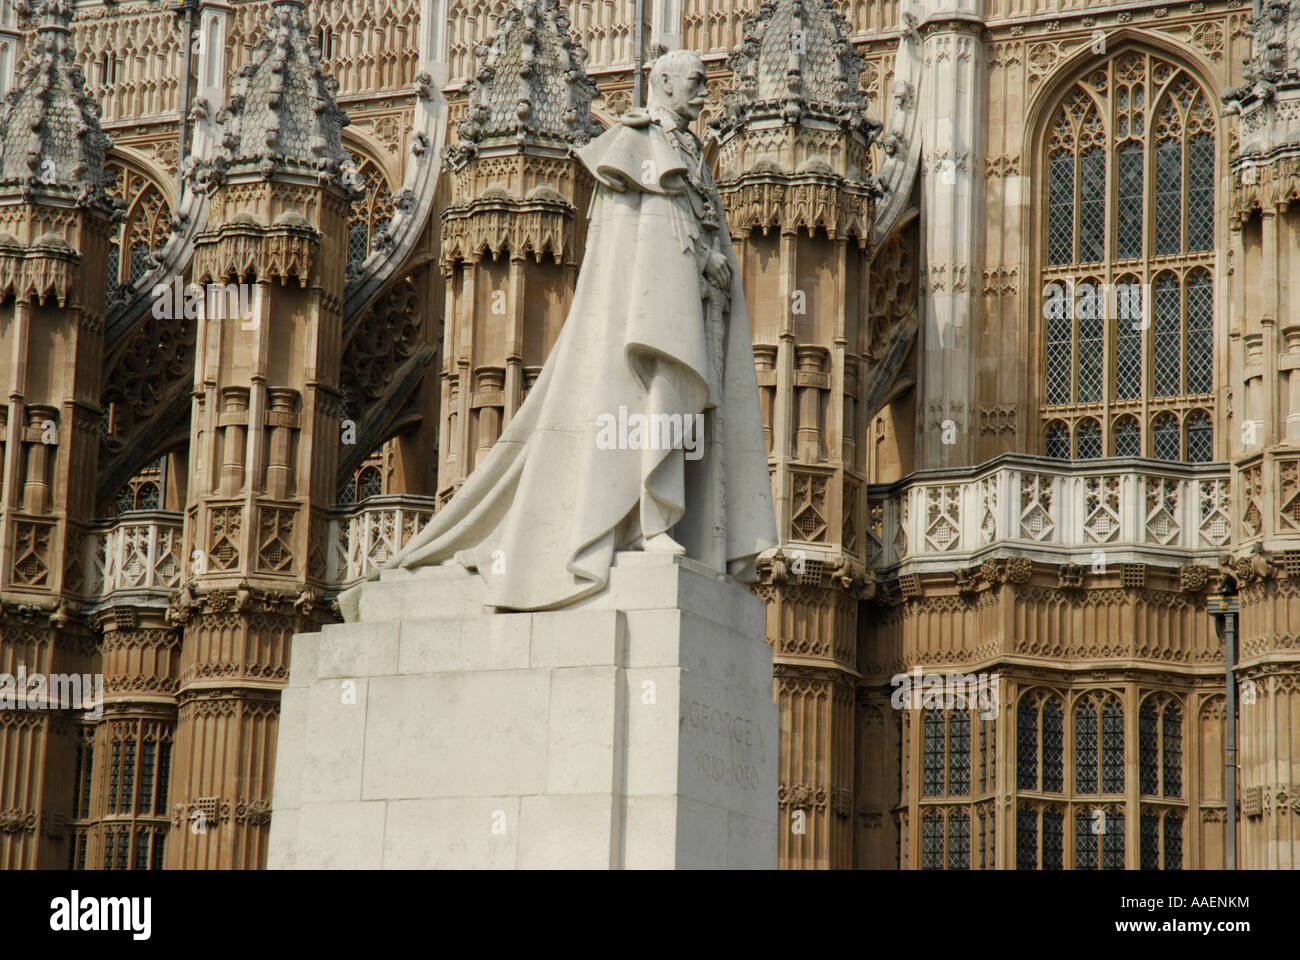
(635, 729)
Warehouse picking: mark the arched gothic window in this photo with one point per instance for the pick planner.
(1160, 747)
(146, 228)
(936, 828)
(1128, 252)
(1040, 743)
(947, 753)
(1099, 723)
(369, 213)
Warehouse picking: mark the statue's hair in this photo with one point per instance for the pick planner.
(666, 63)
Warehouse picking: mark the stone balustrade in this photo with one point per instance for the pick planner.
(1128, 510)
(363, 537)
(138, 556)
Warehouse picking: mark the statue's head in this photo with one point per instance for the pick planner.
(678, 83)
(1277, 11)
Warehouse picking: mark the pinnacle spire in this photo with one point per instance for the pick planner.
(282, 114)
(531, 86)
(796, 61)
(50, 138)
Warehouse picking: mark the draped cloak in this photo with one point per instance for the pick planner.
(541, 516)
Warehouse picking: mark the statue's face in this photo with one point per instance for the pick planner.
(681, 87)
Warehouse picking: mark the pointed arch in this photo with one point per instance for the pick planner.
(1124, 152)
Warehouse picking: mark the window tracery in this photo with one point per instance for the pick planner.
(1128, 252)
(146, 228)
(371, 212)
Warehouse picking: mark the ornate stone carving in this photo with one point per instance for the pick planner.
(281, 113)
(50, 138)
(531, 86)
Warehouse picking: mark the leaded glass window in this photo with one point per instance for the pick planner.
(1128, 339)
(1128, 437)
(1087, 442)
(1027, 745)
(1058, 441)
(959, 753)
(932, 842)
(1061, 208)
(1168, 337)
(1112, 842)
(1059, 359)
(1053, 746)
(112, 271)
(144, 230)
(1040, 743)
(1164, 434)
(1053, 840)
(1200, 193)
(126, 798)
(1173, 837)
(1085, 839)
(114, 777)
(148, 756)
(1160, 840)
(1128, 171)
(1128, 238)
(139, 262)
(1085, 748)
(142, 849)
(1098, 744)
(1148, 749)
(1149, 841)
(1200, 332)
(370, 213)
(1171, 733)
(1092, 206)
(1092, 335)
(959, 841)
(1026, 839)
(934, 754)
(1169, 195)
(1112, 747)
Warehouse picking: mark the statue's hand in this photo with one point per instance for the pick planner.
(718, 271)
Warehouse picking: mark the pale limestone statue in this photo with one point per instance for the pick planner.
(643, 429)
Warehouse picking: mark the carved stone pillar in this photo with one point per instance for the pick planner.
(514, 235)
(55, 222)
(793, 175)
(266, 438)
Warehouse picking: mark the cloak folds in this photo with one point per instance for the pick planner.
(541, 516)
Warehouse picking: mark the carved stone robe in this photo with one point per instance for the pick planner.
(541, 516)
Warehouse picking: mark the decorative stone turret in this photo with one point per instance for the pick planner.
(282, 115)
(51, 143)
(1264, 425)
(55, 222)
(265, 436)
(794, 176)
(520, 194)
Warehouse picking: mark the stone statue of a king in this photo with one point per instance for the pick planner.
(643, 429)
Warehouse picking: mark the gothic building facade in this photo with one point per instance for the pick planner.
(1018, 275)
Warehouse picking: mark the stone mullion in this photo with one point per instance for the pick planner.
(1269, 244)
(464, 360)
(448, 371)
(514, 338)
(833, 437)
(1132, 781)
(784, 413)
